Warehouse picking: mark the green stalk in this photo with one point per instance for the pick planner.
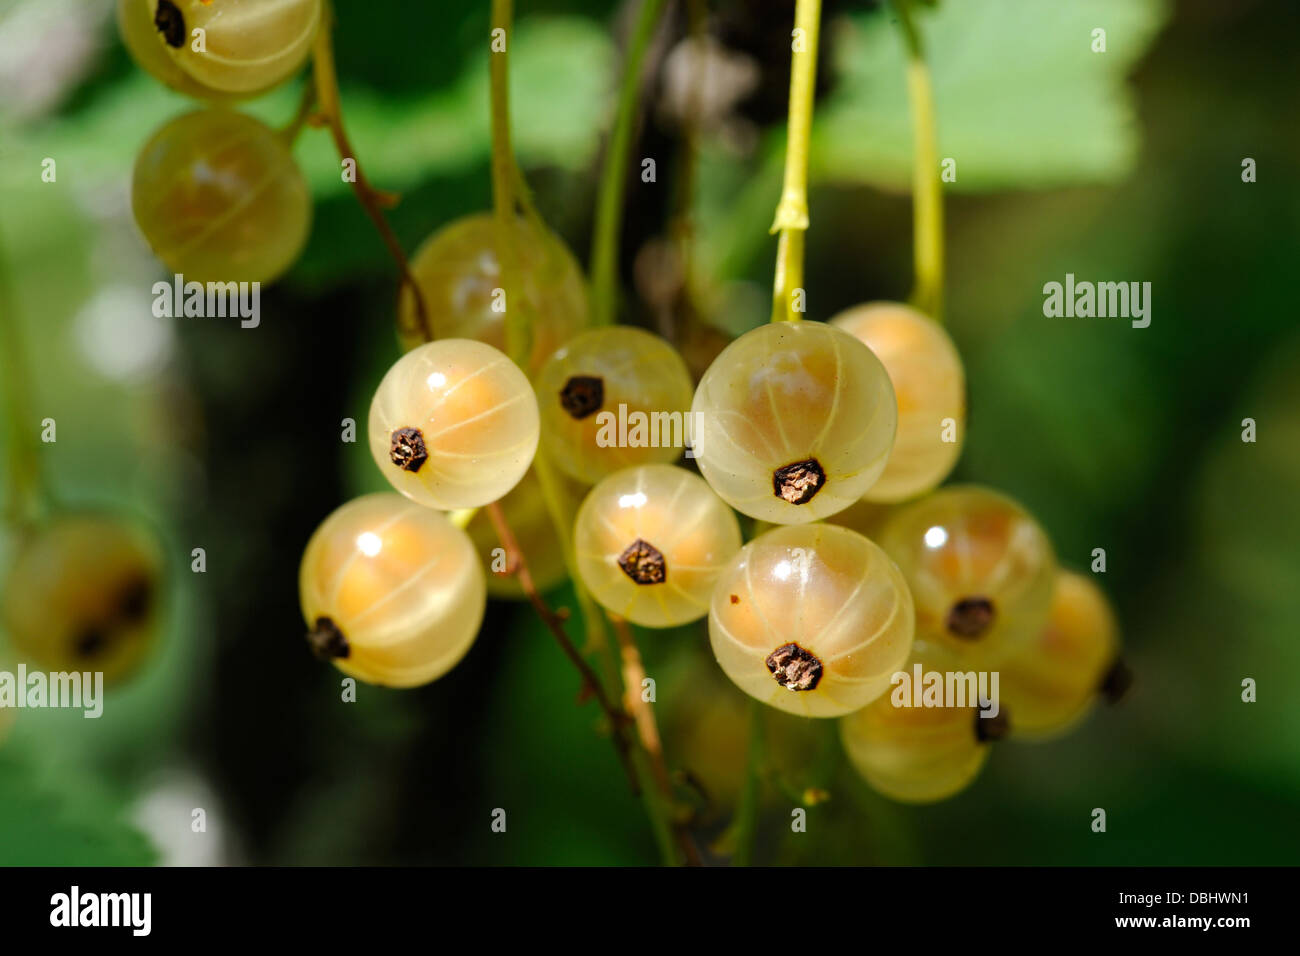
(27, 492)
(609, 203)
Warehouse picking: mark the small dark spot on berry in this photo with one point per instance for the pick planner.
(582, 395)
(170, 23)
(327, 641)
(134, 600)
(407, 449)
(988, 729)
(735, 599)
(1116, 682)
(90, 642)
(794, 668)
(798, 481)
(643, 563)
(971, 617)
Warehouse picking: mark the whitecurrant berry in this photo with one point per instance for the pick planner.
(613, 398)
(980, 569)
(149, 50)
(83, 594)
(651, 541)
(811, 619)
(219, 197)
(794, 421)
(919, 754)
(929, 387)
(392, 592)
(454, 424)
(234, 46)
(459, 272)
(1053, 683)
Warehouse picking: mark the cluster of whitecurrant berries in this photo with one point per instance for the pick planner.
(835, 433)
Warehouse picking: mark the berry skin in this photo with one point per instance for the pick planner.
(980, 569)
(454, 424)
(794, 422)
(458, 270)
(582, 386)
(393, 593)
(1053, 683)
(149, 50)
(83, 594)
(247, 45)
(219, 198)
(526, 513)
(929, 387)
(917, 754)
(811, 619)
(650, 544)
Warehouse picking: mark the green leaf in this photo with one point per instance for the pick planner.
(73, 826)
(1021, 98)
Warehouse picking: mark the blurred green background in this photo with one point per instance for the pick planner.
(1123, 165)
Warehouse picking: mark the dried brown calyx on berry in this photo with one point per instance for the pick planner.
(407, 449)
(794, 667)
(582, 395)
(643, 563)
(799, 481)
(970, 617)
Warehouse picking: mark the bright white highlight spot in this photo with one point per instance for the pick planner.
(369, 543)
(436, 380)
(632, 501)
(782, 571)
(936, 537)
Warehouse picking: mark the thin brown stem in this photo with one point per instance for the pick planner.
(373, 201)
(648, 730)
(518, 565)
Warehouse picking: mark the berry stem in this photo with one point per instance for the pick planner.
(609, 203)
(505, 174)
(927, 189)
(648, 730)
(28, 495)
(740, 835)
(791, 220)
(372, 200)
(516, 561)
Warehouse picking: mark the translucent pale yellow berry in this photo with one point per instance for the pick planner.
(236, 46)
(454, 424)
(916, 754)
(650, 544)
(392, 592)
(526, 513)
(220, 199)
(811, 619)
(83, 593)
(613, 398)
(1053, 683)
(459, 272)
(794, 422)
(149, 50)
(981, 570)
(929, 386)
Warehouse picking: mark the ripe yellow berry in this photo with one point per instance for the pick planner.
(526, 513)
(793, 421)
(393, 593)
(811, 619)
(929, 386)
(650, 544)
(918, 754)
(613, 398)
(454, 424)
(220, 199)
(1053, 683)
(459, 272)
(236, 46)
(83, 594)
(980, 569)
(149, 50)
